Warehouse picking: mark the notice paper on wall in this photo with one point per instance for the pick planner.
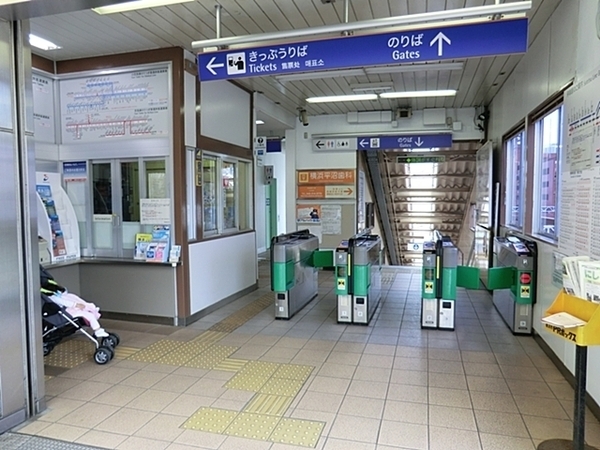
(331, 219)
(155, 211)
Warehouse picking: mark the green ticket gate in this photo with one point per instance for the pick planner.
(429, 300)
(513, 281)
(358, 278)
(294, 279)
(438, 289)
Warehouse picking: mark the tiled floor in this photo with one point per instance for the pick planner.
(390, 385)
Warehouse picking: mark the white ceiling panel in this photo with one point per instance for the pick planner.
(86, 34)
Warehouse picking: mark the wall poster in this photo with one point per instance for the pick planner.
(123, 105)
(579, 225)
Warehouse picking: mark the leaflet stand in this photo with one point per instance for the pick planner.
(583, 336)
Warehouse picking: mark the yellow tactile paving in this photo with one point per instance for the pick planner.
(125, 352)
(253, 376)
(241, 316)
(282, 386)
(304, 433)
(274, 405)
(155, 351)
(177, 357)
(212, 356)
(294, 371)
(209, 337)
(252, 426)
(212, 420)
(231, 365)
(61, 357)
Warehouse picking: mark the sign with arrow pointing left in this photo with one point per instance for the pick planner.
(491, 38)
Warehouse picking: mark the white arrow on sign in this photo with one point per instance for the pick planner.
(363, 143)
(440, 38)
(419, 142)
(210, 66)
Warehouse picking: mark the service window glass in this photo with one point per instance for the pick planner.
(548, 147)
(228, 177)
(209, 194)
(515, 180)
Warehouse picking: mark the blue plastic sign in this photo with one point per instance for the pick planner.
(405, 141)
(274, 145)
(491, 38)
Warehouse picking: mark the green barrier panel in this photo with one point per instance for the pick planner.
(501, 278)
(467, 277)
(282, 276)
(362, 280)
(322, 258)
(449, 283)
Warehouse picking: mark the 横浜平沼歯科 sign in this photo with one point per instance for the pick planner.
(492, 38)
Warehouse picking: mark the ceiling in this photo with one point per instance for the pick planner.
(86, 34)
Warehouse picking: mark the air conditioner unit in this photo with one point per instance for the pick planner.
(403, 113)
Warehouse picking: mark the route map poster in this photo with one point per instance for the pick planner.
(124, 105)
(579, 226)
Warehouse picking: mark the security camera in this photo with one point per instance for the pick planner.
(303, 117)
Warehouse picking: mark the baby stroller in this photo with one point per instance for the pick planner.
(59, 324)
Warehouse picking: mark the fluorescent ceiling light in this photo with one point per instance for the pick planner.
(260, 122)
(414, 68)
(413, 94)
(319, 75)
(137, 4)
(342, 98)
(11, 2)
(42, 43)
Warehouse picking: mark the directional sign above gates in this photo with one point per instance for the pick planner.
(434, 44)
(404, 141)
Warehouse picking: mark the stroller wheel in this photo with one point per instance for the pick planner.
(103, 355)
(48, 348)
(112, 340)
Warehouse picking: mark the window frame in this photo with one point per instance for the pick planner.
(538, 113)
(538, 194)
(508, 171)
(221, 159)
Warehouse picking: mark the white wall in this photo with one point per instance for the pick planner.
(225, 113)
(567, 47)
(300, 153)
(547, 66)
(220, 268)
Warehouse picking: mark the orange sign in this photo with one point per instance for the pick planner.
(334, 191)
(331, 176)
(311, 191)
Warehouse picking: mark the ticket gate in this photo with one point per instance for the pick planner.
(513, 280)
(438, 297)
(358, 278)
(294, 279)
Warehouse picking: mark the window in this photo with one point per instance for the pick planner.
(227, 194)
(515, 179)
(547, 145)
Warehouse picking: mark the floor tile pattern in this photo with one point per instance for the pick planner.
(386, 386)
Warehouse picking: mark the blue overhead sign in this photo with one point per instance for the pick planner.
(405, 141)
(491, 38)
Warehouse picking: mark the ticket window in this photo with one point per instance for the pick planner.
(116, 187)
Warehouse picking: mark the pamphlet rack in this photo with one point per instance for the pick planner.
(582, 336)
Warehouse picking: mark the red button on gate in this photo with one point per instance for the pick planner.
(525, 278)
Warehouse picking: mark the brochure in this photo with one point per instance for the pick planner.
(142, 240)
(589, 273)
(572, 280)
(564, 320)
(158, 248)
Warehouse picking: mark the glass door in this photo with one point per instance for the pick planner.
(105, 217)
(116, 189)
